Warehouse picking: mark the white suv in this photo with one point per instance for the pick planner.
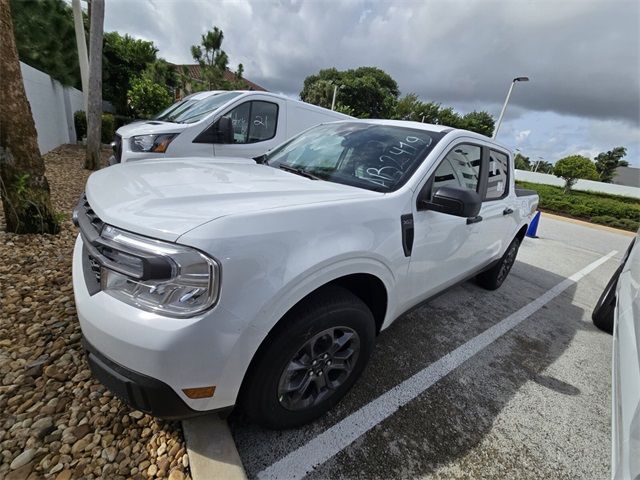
(200, 285)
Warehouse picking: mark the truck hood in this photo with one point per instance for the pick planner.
(166, 199)
(150, 127)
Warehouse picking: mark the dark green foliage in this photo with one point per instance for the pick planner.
(574, 167)
(80, 122)
(522, 162)
(612, 210)
(45, 38)
(108, 128)
(607, 162)
(368, 92)
(124, 58)
(146, 98)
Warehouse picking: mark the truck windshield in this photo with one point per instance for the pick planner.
(190, 109)
(371, 156)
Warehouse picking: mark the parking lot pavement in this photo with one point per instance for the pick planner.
(529, 402)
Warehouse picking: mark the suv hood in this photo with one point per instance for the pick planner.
(150, 127)
(166, 199)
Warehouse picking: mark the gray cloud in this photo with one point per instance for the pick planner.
(583, 56)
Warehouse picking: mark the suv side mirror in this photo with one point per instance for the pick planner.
(460, 202)
(224, 130)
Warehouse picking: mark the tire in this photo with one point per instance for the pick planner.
(603, 312)
(493, 278)
(331, 319)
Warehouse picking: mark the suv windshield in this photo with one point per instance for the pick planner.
(190, 110)
(365, 155)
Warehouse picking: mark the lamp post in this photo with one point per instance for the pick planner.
(540, 159)
(506, 101)
(336, 87)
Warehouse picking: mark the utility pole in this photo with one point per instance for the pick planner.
(81, 42)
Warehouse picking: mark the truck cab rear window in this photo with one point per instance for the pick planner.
(497, 185)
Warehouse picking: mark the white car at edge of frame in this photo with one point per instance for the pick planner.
(618, 312)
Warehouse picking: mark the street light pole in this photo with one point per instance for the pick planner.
(333, 102)
(540, 159)
(506, 101)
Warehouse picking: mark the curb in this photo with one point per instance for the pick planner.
(211, 449)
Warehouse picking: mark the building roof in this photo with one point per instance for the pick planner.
(628, 176)
(195, 72)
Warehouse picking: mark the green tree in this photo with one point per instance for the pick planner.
(124, 59)
(366, 91)
(521, 162)
(479, 122)
(572, 168)
(411, 108)
(607, 162)
(45, 38)
(147, 98)
(212, 59)
(545, 167)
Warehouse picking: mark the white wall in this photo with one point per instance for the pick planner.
(52, 107)
(583, 185)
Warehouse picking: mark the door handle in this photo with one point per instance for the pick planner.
(507, 211)
(474, 220)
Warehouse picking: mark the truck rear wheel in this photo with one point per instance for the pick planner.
(311, 361)
(496, 275)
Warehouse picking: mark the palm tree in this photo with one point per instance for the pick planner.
(94, 115)
(23, 186)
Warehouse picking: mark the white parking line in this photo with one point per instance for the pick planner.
(298, 463)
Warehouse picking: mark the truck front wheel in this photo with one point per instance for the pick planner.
(310, 361)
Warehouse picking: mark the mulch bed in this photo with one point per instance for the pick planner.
(55, 420)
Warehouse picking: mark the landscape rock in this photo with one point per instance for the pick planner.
(56, 421)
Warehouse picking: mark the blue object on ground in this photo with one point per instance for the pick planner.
(533, 227)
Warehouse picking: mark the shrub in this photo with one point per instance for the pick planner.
(606, 209)
(146, 98)
(107, 130)
(80, 124)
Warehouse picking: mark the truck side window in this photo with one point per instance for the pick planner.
(240, 120)
(264, 118)
(498, 175)
(254, 121)
(460, 168)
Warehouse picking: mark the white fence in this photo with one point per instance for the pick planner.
(52, 106)
(583, 185)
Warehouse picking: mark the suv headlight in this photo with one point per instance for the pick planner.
(152, 143)
(190, 280)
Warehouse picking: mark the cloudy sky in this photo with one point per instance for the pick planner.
(583, 56)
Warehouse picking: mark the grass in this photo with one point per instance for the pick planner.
(612, 210)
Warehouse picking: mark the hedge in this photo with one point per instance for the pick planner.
(110, 123)
(613, 210)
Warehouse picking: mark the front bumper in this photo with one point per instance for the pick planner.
(140, 391)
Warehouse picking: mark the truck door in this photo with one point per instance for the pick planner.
(445, 247)
(258, 125)
(497, 207)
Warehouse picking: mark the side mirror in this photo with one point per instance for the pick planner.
(218, 132)
(460, 202)
(224, 130)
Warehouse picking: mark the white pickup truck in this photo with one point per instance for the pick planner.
(204, 284)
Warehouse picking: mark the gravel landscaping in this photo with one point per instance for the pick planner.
(55, 420)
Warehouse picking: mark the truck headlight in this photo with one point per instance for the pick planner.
(152, 143)
(190, 285)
